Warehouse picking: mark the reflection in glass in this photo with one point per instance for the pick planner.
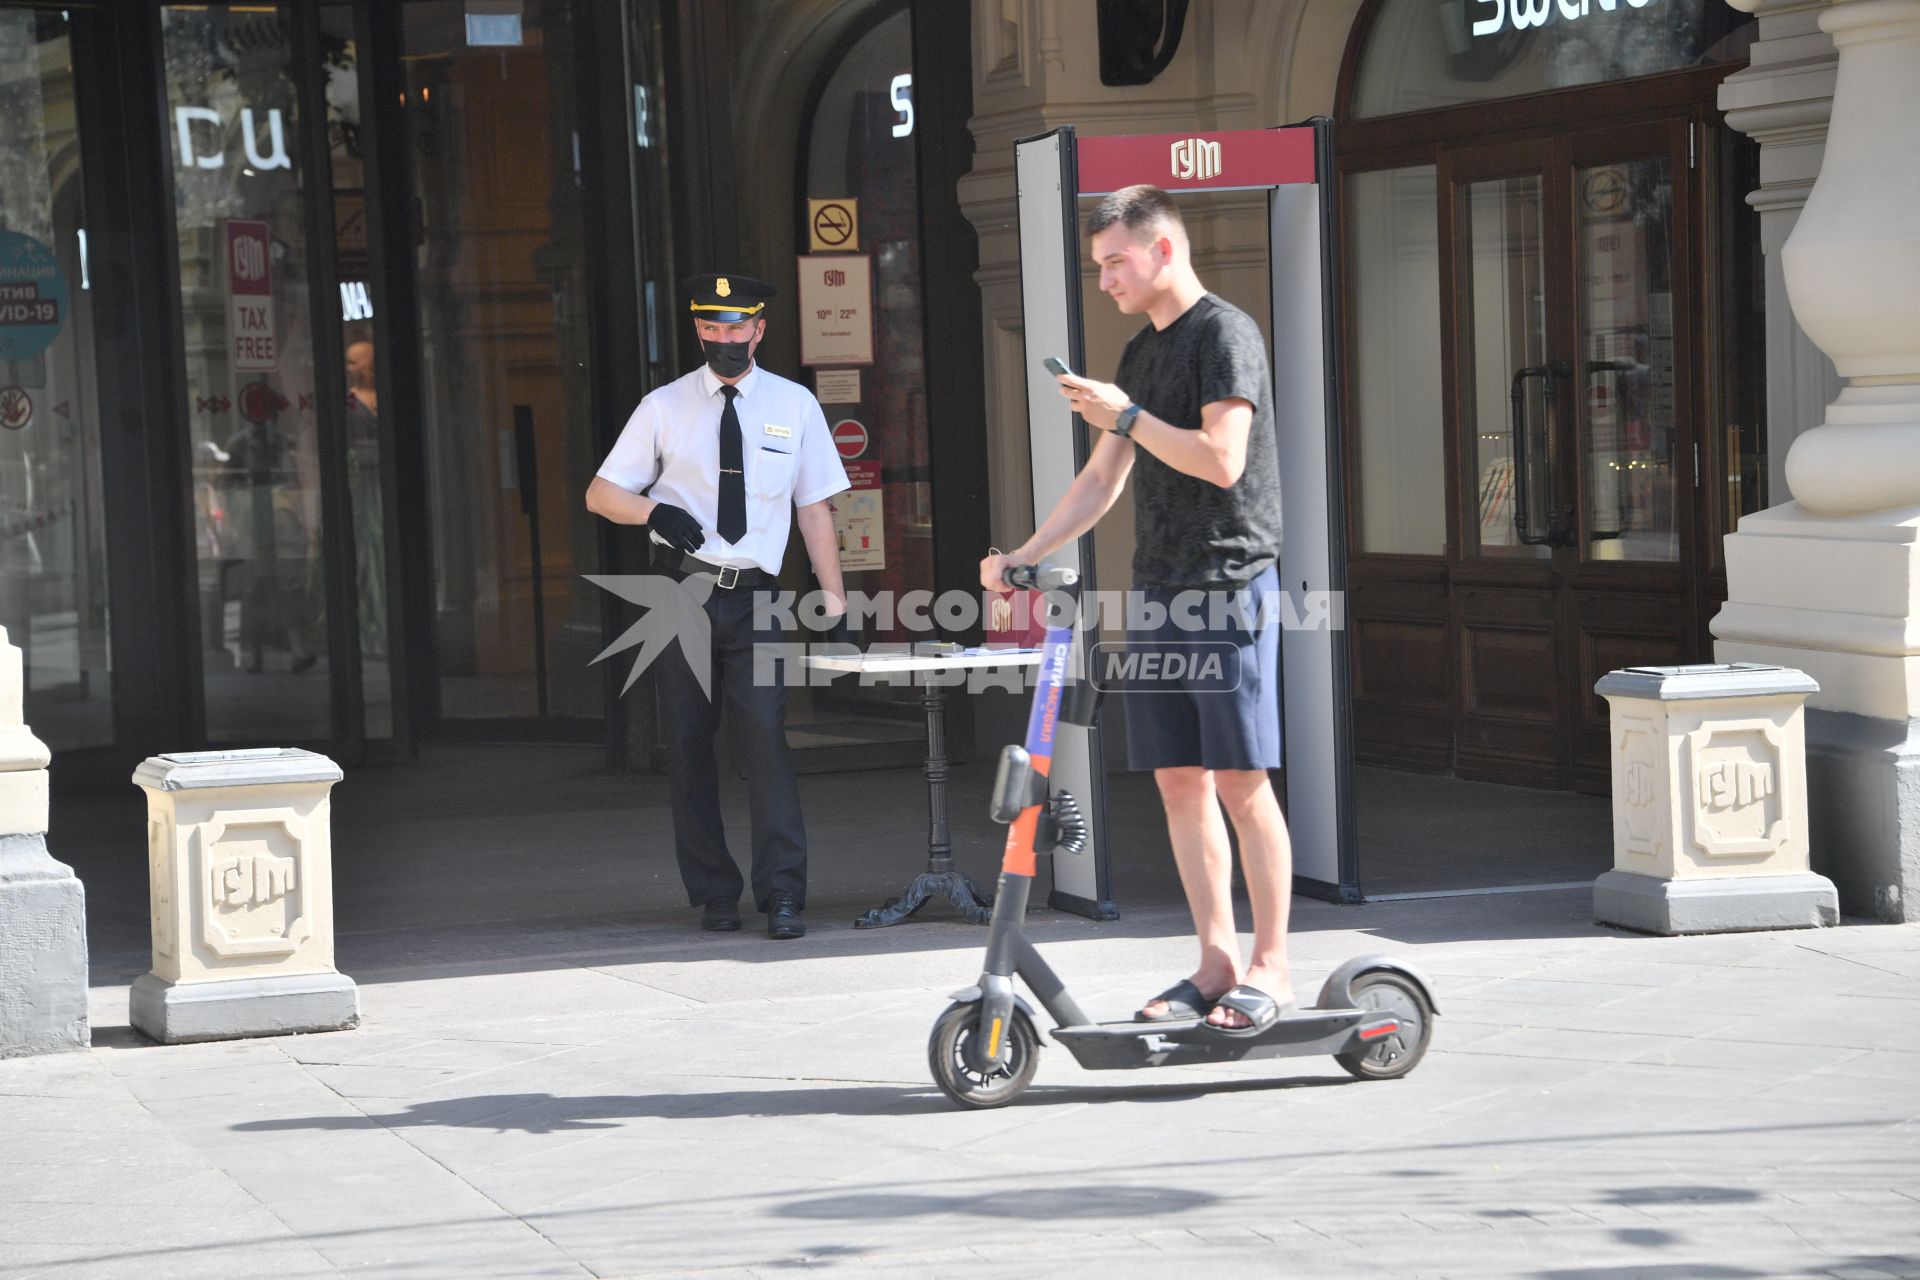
(237, 174)
(339, 56)
(864, 146)
(53, 582)
(652, 225)
(504, 348)
(1422, 55)
(1506, 332)
(1624, 237)
(1394, 268)
(1743, 341)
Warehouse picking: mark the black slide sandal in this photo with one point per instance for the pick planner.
(1253, 1004)
(1183, 1000)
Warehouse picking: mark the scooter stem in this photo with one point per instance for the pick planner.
(1008, 951)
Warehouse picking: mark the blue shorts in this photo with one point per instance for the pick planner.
(1205, 695)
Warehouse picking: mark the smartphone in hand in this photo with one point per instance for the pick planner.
(1056, 366)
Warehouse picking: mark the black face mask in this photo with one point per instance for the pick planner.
(728, 359)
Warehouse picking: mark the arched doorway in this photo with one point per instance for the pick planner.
(1553, 390)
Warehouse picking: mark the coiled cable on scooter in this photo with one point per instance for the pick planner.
(1068, 822)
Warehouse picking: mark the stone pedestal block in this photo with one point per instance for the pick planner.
(1863, 777)
(1710, 802)
(240, 864)
(43, 909)
(43, 951)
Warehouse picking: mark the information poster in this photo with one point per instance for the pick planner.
(857, 519)
(33, 296)
(836, 308)
(838, 386)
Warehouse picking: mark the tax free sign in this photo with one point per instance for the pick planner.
(1491, 17)
(250, 296)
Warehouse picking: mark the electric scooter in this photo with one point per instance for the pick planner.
(1374, 1014)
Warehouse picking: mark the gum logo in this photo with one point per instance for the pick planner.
(1195, 159)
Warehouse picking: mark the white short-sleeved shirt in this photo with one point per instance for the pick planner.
(670, 451)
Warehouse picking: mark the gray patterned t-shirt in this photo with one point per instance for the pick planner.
(1189, 532)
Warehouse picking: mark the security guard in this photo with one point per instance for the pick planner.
(713, 464)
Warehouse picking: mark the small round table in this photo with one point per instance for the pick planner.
(941, 878)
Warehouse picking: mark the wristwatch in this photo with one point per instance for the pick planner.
(1123, 425)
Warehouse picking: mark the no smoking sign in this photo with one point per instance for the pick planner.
(16, 408)
(833, 226)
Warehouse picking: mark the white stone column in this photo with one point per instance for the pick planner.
(43, 908)
(1783, 100)
(1830, 582)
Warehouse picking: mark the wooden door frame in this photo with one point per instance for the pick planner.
(1640, 595)
(1403, 589)
(1496, 593)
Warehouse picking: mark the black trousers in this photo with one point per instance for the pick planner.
(689, 720)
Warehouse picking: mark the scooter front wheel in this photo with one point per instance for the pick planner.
(1394, 1055)
(995, 1087)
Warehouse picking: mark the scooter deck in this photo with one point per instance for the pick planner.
(1106, 1046)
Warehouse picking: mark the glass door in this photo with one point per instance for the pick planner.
(53, 581)
(1576, 322)
(1627, 419)
(243, 268)
(501, 272)
(862, 153)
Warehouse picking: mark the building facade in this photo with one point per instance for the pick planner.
(350, 298)
(344, 302)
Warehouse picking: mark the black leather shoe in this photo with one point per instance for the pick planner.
(720, 917)
(783, 917)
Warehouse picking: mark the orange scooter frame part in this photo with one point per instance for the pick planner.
(1019, 858)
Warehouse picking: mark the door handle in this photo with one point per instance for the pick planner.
(1555, 534)
(1615, 367)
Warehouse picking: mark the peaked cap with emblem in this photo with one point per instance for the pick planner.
(728, 298)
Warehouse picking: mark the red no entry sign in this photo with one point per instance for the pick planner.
(257, 402)
(850, 438)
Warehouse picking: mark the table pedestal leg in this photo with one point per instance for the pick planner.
(940, 877)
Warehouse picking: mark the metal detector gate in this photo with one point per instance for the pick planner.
(1052, 172)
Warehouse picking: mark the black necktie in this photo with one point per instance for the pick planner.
(733, 477)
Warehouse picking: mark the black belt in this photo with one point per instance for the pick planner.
(727, 576)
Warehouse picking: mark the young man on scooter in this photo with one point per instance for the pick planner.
(1190, 415)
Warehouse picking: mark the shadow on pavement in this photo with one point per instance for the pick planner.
(611, 940)
(1032, 1204)
(540, 1113)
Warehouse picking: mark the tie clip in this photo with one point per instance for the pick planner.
(731, 471)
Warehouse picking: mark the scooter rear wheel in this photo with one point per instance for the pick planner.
(947, 1054)
(1390, 1056)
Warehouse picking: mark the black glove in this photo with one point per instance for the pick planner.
(681, 531)
(837, 632)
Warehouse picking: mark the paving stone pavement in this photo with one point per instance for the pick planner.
(620, 1101)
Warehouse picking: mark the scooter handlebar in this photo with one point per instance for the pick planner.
(1040, 577)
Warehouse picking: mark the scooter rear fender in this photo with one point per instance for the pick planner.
(1337, 991)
